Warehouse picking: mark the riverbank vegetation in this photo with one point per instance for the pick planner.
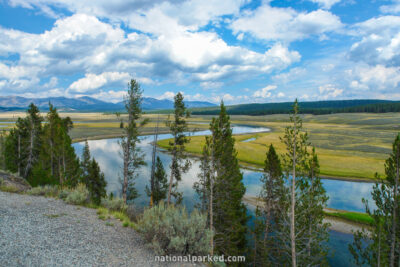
(348, 145)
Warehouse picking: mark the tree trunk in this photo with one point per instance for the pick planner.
(293, 202)
(30, 154)
(394, 219)
(19, 155)
(126, 171)
(153, 165)
(51, 158)
(171, 179)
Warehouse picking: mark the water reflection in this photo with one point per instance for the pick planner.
(344, 195)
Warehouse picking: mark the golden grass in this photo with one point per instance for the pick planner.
(348, 145)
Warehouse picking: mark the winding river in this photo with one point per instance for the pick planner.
(344, 195)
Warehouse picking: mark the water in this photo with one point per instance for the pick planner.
(344, 195)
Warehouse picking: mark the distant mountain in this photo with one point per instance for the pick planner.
(86, 104)
(311, 107)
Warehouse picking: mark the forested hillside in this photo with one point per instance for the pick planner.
(315, 107)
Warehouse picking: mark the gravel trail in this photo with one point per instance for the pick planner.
(38, 231)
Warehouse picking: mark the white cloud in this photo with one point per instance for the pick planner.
(380, 43)
(326, 3)
(286, 24)
(329, 91)
(392, 8)
(264, 92)
(167, 95)
(211, 85)
(280, 95)
(93, 81)
(110, 96)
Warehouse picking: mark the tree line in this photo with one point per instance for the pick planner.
(314, 107)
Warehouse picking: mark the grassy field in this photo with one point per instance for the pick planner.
(348, 145)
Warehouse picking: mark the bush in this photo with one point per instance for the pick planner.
(64, 193)
(115, 204)
(169, 230)
(47, 190)
(78, 196)
(134, 213)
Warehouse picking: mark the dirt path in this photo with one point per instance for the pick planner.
(38, 231)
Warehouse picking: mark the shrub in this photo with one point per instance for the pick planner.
(78, 196)
(115, 204)
(134, 213)
(64, 193)
(170, 230)
(46, 190)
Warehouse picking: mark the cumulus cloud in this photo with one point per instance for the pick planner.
(329, 91)
(285, 24)
(380, 43)
(167, 95)
(326, 3)
(392, 8)
(82, 43)
(93, 81)
(265, 92)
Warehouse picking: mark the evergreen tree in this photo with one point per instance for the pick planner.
(95, 182)
(57, 161)
(153, 164)
(2, 149)
(202, 186)
(306, 200)
(160, 188)
(11, 155)
(133, 157)
(266, 249)
(381, 245)
(31, 129)
(229, 213)
(312, 203)
(85, 159)
(179, 164)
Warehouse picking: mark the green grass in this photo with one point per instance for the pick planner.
(9, 189)
(356, 217)
(348, 145)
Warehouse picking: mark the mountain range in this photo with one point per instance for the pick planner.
(86, 103)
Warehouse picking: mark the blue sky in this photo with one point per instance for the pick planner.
(237, 50)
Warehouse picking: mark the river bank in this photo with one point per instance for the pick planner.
(339, 224)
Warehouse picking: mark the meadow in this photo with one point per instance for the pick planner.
(349, 145)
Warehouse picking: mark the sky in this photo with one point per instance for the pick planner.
(238, 51)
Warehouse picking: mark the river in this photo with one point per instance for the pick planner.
(344, 195)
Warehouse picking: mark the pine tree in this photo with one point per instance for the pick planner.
(11, 155)
(202, 186)
(95, 182)
(85, 159)
(306, 202)
(266, 246)
(179, 164)
(229, 213)
(133, 157)
(160, 187)
(153, 163)
(57, 161)
(381, 245)
(31, 128)
(311, 214)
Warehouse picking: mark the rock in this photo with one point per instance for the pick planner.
(13, 181)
